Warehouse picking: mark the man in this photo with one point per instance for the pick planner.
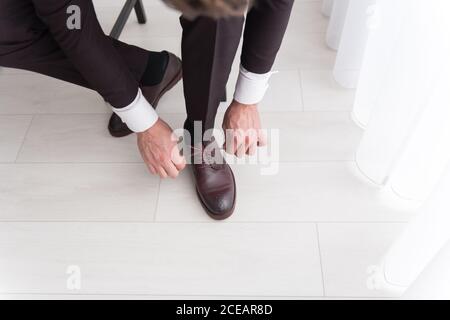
(34, 36)
(209, 46)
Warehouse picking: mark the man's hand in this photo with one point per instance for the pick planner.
(158, 147)
(242, 127)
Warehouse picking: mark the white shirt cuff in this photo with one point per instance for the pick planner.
(139, 115)
(251, 87)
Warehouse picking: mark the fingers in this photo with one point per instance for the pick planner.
(241, 150)
(170, 169)
(162, 173)
(243, 143)
(178, 160)
(251, 142)
(180, 165)
(167, 170)
(158, 148)
(229, 143)
(242, 126)
(156, 169)
(262, 138)
(152, 169)
(252, 148)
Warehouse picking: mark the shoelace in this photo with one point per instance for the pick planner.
(208, 159)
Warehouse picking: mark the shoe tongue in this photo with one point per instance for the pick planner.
(209, 154)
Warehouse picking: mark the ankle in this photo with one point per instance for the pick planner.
(156, 67)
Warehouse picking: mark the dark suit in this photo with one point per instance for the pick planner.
(34, 36)
(209, 47)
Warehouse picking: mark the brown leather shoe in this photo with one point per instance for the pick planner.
(153, 94)
(215, 184)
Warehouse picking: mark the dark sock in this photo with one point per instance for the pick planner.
(156, 67)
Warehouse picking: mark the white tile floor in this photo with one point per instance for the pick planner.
(71, 195)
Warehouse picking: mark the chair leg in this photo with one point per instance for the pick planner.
(140, 12)
(122, 19)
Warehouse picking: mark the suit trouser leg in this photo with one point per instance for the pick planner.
(208, 50)
(54, 63)
(209, 47)
(85, 57)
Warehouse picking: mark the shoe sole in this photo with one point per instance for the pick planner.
(170, 85)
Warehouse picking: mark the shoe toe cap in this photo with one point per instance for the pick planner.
(221, 206)
(115, 123)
